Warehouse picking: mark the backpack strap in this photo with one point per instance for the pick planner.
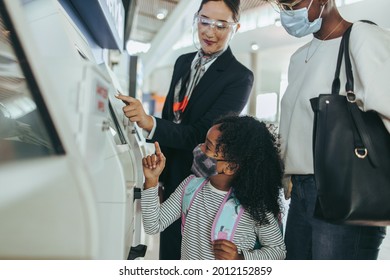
(229, 213)
(190, 190)
(226, 221)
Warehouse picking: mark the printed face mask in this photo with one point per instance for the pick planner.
(203, 165)
(297, 24)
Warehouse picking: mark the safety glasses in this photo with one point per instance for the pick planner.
(218, 25)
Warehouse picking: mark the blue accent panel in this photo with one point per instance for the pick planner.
(74, 15)
(101, 25)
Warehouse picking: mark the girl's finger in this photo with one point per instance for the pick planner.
(154, 160)
(145, 162)
(157, 147)
(149, 160)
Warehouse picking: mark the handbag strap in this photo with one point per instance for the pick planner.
(348, 66)
(356, 112)
(363, 142)
(336, 80)
(344, 45)
(358, 144)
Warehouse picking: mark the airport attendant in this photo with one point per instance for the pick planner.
(205, 85)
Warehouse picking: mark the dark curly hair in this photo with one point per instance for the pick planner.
(257, 183)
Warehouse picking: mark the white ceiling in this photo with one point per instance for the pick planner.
(269, 37)
(146, 25)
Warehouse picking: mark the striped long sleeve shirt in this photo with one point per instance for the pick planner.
(196, 242)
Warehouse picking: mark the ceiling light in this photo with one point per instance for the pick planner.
(254, 47)
(161, 14)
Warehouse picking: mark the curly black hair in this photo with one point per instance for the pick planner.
(257, 183)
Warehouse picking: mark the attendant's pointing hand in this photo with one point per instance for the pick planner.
(135, 112)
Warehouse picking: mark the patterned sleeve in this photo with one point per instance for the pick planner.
(271, 240)
(158, 217)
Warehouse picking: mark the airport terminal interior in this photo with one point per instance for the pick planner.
(70, 161)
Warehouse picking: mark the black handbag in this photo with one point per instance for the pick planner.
(351, 151)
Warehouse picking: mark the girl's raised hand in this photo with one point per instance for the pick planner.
(153, 165)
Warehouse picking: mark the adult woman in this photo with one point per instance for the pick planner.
(311, 73)
(205, 85)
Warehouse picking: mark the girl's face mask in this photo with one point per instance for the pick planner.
(203, 165)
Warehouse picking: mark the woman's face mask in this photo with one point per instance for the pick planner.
(203, 165)
(297, 24)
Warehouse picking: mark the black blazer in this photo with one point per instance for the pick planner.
(224, 88)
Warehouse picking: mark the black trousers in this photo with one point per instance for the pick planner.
(170, 242)
(176, 170)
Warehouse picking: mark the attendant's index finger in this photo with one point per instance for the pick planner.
(126, 99)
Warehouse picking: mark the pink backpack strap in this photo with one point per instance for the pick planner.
(190, 190)
(227, 218)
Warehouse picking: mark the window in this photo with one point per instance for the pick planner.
(267, 107)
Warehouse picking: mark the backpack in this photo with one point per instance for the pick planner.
(228, 216)
(229, 213)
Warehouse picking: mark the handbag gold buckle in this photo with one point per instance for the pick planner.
(351, 97)
(361, 152)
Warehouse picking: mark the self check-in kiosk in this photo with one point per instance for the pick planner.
(70, 162)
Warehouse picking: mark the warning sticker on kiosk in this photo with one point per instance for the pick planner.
(101, 99)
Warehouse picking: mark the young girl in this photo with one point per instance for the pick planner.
(237, 168)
